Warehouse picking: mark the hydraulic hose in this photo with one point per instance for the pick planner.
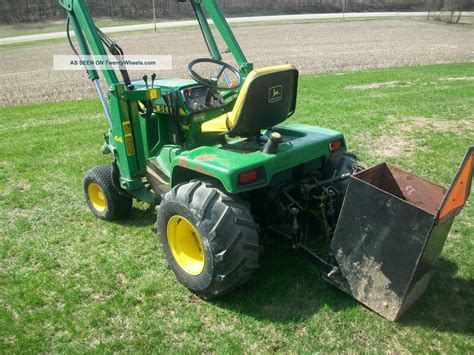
(68, 33)
(116, 51)
(112, 46)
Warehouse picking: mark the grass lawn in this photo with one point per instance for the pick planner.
(72, 283)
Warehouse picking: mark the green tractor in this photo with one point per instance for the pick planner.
(213, 154)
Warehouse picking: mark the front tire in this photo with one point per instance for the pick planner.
(209, 238)
(102, 197)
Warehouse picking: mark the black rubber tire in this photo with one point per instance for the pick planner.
(228, 234)
(118, 205)
(344, 164)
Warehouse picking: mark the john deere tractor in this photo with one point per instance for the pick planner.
(215, 156)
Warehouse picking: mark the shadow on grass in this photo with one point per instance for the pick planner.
(447, 304)
(140, 217)
(287, 289)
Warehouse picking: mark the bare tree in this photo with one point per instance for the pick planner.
(462, 5)
(448, 10)
(431, 4)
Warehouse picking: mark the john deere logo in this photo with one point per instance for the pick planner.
(275, 94)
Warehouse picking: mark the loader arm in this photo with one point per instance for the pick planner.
(87, 36)
(125, 137)
(219, 20)
(90, 43)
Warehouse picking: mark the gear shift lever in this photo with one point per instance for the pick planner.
(211, 91)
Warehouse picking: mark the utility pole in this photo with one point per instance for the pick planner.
(154, 14)
(343, 10)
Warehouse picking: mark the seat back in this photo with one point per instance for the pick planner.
(267, 98)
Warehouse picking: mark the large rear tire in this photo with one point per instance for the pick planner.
(342, 165)
(102, 197)
(209, 238)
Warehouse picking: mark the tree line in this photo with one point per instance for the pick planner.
(448, 10)
(17, 11)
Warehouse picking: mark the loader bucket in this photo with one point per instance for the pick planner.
(392, 228)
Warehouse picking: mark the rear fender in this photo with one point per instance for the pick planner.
(301, 145)
(183, 174)
(211, 167)
(186, 169)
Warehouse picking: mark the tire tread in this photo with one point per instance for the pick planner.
(231, 232)
(118, 204)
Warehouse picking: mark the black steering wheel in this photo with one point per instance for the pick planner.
(213, 81)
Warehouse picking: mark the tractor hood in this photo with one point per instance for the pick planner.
(166, 84)
(301, 144)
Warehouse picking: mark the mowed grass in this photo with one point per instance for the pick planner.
(72, 283)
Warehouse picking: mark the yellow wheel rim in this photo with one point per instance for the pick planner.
(97, 197)
(185, 245)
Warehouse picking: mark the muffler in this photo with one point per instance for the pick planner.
(391, 230)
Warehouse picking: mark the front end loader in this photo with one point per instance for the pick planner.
(214, 155)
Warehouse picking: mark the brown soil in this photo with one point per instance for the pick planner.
(401, 141)
(26, 73)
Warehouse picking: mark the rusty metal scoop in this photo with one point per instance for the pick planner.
(392, 228)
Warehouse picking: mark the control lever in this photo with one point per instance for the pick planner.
(153, 78)
(146, 107)
(212, 90)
